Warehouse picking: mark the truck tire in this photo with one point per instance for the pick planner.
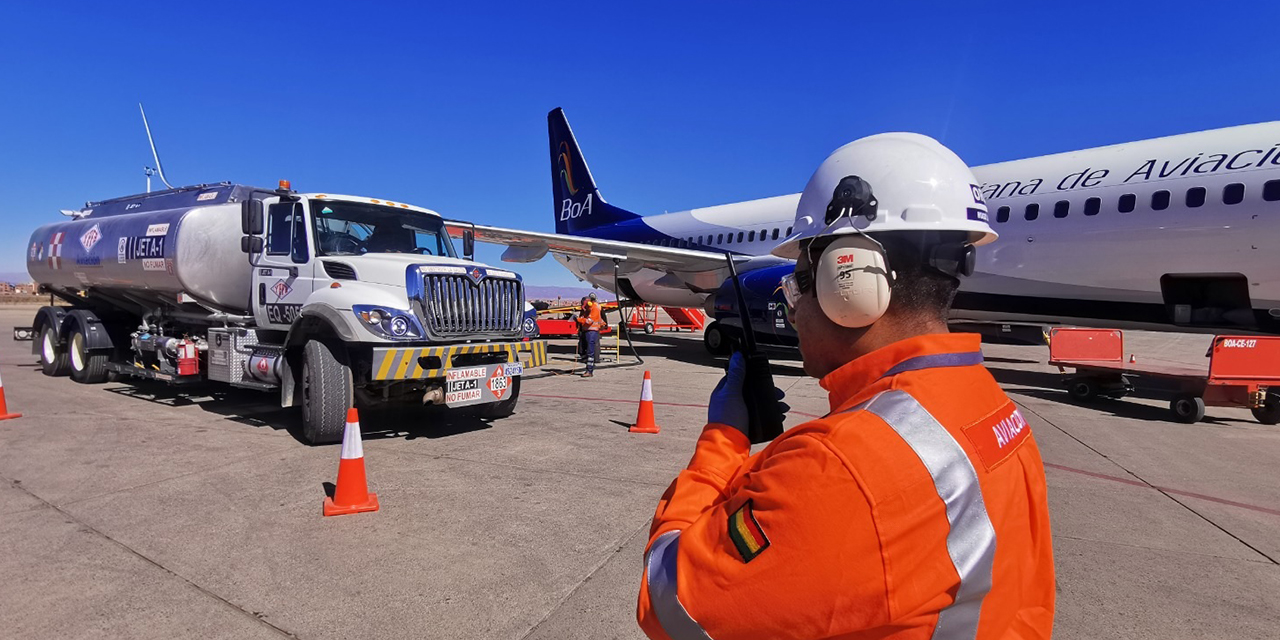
(715, 340)
(53, 360)
(87, 367)
(326, 393)
(502, 408)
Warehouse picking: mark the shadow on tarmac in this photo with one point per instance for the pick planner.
(1051, 386)
(682, 349)
(258, 409)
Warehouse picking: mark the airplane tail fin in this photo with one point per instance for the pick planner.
(579, 206)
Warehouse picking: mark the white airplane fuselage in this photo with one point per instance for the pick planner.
(1172, 217)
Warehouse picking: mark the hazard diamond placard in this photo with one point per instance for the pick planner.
(499, 382)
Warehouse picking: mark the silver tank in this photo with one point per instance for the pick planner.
(192, 250)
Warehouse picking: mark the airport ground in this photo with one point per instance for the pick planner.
(130, 511)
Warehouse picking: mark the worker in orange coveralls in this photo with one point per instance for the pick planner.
(916, 508)
(589, 324)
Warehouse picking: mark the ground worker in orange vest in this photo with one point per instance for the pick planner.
(590, 322)
(916, 508)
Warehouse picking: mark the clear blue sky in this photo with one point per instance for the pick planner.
(677, 105)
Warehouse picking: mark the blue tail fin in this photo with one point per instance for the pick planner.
(579, 206)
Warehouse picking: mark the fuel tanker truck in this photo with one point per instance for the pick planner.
(331, 301)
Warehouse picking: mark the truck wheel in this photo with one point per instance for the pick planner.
(326, 394)
(87, 367)
(1269, 412)
(649, 328)
(1187, 408)
(53, 360)
(502, 408)
(715, 340)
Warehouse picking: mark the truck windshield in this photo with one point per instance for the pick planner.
(354, 228)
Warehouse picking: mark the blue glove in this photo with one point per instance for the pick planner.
(726, 405)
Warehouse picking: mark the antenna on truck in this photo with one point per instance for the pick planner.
(159, 169)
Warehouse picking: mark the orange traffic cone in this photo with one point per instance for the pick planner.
(4, 408)
(644, 418)
(352, 492)
(1133, 359)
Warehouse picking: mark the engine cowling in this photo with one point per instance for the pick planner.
(766, 306)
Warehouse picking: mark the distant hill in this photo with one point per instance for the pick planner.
(536, 292)
(15, 277)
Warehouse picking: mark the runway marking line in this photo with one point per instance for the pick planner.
(1189, 494)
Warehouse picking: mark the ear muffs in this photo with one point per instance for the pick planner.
(851, 281)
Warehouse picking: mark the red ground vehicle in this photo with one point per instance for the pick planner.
(1244, 371)
(558, 321)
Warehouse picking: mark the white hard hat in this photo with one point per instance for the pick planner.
(889, 182)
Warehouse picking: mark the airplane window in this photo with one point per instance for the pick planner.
(739, 236)
(775, 233)
(789, 231)
(1061, 208)
(1233, 193)
(1160, 200)
(1195, 197)
(1092, 206)
(1127, 203)
(1032, 212)
(719, 238)
(751, 237)
(1002, 214)
(1271, 190)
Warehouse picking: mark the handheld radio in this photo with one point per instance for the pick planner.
(764, 413)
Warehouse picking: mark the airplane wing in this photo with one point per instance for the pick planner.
(531, 246)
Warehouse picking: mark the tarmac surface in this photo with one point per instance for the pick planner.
(128, 510)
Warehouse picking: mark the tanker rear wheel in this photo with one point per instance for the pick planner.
(53, 360)
(326, 393)
(87, 367)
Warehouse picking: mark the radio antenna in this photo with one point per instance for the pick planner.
(159, 169)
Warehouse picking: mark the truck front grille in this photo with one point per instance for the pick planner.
(454, 306)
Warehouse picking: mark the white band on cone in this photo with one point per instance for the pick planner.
(351, 445)
(646, 391)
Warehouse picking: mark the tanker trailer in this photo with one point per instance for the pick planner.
(331, 301)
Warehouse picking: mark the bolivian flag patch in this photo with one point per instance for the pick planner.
(746, 533)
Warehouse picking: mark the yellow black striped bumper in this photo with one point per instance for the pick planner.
(406, 363)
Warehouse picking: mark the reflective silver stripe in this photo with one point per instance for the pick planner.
(971, 541)
(660, 572)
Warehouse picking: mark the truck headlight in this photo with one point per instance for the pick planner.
(388, 323)
(399, 326)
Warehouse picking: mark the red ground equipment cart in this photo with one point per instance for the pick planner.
(558, 321)
(1242, 372)
(645, 317)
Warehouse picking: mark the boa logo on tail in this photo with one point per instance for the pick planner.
(566, 168)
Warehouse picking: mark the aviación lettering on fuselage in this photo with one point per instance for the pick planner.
(1160, 233)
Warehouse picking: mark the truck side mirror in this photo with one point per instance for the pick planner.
(251, 244)
(468, 244)
(251, 217)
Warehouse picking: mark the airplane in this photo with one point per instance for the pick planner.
(1170, 233)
